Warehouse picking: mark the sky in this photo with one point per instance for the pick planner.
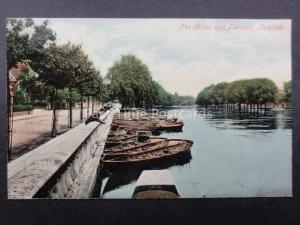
(186, 55)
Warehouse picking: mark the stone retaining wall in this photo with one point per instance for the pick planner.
(54, 168)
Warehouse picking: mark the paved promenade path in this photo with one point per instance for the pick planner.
(30, 131)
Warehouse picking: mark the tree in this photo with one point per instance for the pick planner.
(236, 92)
(66, 67)
(219, 94)
(17, 41)
(182, 100)
(28, 83)
(22, 46)
(248, 91)
(287, 88)
(96, 89)
(161, 96)
(205, 97)
(263, 91)
(20, 97)
(130, 82)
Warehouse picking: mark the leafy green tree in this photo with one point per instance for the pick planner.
(205, 97)
(20, 97)
(130, 82)
(96, 89)
(84, 82)
(287, 88)
(219, 94)
(28, 82)
(182, 100)
(250, 91)
(23, 46)
(236, 92)
(105, 94)
(160, 96)
(265, 91)
(17, 41)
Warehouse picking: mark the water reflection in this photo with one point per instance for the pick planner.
(261, 121)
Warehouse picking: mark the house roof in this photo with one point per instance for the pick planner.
(15, 72)
(11, 77)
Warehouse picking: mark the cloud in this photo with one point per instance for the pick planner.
(183, 60)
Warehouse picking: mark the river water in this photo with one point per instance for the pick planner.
(233, 155)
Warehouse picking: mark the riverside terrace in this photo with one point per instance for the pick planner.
(74, 154)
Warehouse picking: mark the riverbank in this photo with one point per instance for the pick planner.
(64, 167)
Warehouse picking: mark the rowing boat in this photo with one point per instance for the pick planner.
(137, 136)
(134, 156)
(171, 125)
(134, 147)
(153, 129)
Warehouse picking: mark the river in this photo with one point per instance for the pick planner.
(233, 155)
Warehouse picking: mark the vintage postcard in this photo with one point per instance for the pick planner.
(149, 108)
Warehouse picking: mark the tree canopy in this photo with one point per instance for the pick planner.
(287, 89)
(23, 45)
(65, 69)
(247, 91)
(130, 81)
(161, 96)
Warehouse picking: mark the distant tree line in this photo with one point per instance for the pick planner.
(258, 92)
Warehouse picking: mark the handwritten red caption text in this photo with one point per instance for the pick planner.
(231, 27)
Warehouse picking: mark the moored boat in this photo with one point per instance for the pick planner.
(154, 129)
(171, 125)
(135, 147)
(136, 122)
(167, 149)
(137, 136)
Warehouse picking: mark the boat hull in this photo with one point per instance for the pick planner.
(175, 159)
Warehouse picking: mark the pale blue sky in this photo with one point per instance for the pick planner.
(186, 60)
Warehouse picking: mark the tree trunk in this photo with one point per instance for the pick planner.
(93, 105)
(54, 119)
(70, 109)
(27, 103)
(88, 107)
(81, 107)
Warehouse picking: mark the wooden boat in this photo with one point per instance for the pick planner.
(171, 125)
(162, 124)
(154, 129)
(134, 146)
(135, 157)
(137, 136)
(124, 134)
(121, 132)
(136, 122)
